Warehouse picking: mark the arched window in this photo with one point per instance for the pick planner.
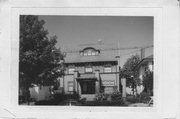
(89, 52)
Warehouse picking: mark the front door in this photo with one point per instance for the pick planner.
(87, 87)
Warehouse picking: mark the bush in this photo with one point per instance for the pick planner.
(100, 97)
(144, 97)
(58, 97)
(83, 100)
(132, 99)
(116, 96)
(71, 96)
(62, 96)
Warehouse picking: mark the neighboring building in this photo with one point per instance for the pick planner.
(146, 64)
(90, 71)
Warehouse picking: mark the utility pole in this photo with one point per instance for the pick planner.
(119, 68)
(123, 80)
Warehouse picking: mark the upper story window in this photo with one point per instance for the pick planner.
(89, 52)
(88, 70)
(71, 70)
(107, 69)
(93, 53)
(85, 54)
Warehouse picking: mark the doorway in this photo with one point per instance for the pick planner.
(87, 87)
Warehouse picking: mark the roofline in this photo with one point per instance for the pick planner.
(92, 61)
(141, 62)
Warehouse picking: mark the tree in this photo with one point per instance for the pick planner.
(39, 59)
(128, 71)
(148, 82)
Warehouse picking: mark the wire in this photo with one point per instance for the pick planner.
(130, 53)
(109, 49)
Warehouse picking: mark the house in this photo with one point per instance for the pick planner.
(90, 71)
(146, 64)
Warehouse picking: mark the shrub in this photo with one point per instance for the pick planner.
(82, 100)
(72, 96)
(144, 97)
(132, 99)
(58, 97)
(100, 97)
(116, 96)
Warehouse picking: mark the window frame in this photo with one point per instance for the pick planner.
(89, 52)
(88, 71)
(71, 68)
(69, 85)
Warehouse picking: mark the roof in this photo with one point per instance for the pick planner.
(145, 60)
(149, 57)
(104, 56)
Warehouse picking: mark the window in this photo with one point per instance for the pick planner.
(88, 69)
(71, 70)
(107, 69)
(70, 86)
(93, 53)
(85, 53)
(89, 52)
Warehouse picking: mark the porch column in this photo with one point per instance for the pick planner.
(123, 82)
(97, 83)
(76, 73)
(79, 88)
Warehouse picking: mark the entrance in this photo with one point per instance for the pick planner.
(87, 87)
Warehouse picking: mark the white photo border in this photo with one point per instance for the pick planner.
(153, 12)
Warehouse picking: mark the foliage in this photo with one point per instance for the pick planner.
(58, 97)
(144, 97)
(116, 96)
(39, 59)
(132, 99)
(100, 96)
(128, 71)
(148, 82)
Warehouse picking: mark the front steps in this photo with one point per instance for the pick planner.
(89, 97)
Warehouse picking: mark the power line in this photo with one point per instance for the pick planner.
(130, 53)
(110, 49)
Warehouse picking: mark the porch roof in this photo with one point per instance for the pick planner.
(144, 61)
(87, 76)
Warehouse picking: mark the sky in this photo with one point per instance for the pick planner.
(128, 31)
